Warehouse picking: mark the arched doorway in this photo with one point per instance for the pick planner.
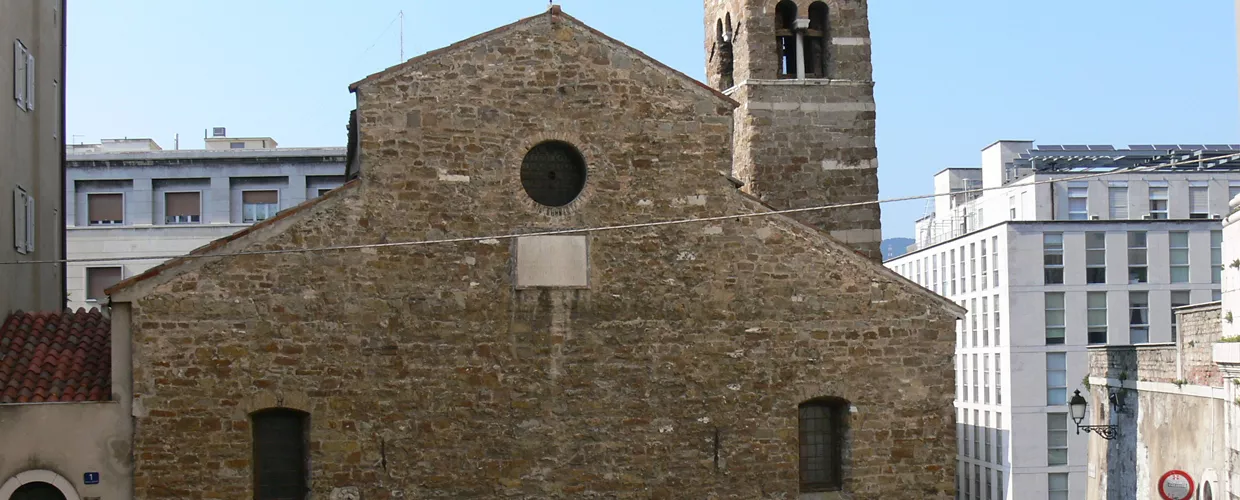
(38, 485)
(37, 491)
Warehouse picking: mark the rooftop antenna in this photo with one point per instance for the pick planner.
(402, 35)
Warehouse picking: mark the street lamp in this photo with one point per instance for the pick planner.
(1077, 407)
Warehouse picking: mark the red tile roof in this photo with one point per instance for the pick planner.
(55, 357)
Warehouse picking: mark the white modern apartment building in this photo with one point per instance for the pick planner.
(1047, 263)
(128, 198)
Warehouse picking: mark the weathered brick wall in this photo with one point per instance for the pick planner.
(1154, 363)
(812, 144)
(1199, 328)
(427, 375)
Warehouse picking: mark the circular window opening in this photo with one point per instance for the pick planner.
(553, 173)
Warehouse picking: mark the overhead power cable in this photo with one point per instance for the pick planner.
(617, 227)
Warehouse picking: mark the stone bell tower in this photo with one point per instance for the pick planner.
(804, 133)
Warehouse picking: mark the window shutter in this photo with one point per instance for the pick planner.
(30, 74)
(19, 74)
(1118, 199)
(1198, 200)
(105, 207)
(181, 204)
(30, 220)
(19, 226)
(99, 279)
(259, 197)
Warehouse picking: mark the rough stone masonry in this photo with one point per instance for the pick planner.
(674, 371)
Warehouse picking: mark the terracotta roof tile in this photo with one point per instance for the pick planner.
(55, 357)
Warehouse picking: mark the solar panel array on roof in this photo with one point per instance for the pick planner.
(1075, 147)
(1166, 147)
(1141, 147)
(1050, 148)
(1101, 147)
(1218, 147)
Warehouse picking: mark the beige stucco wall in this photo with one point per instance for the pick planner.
(69, 439)
(72, 439)
(30, 141)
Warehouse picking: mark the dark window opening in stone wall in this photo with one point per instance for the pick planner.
(553, 173)
(785, 38)
(823, 425)
(723, 40)
(281, 464)
(816, 39)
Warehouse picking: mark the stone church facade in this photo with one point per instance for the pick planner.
(747, 356)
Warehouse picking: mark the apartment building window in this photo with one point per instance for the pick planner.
(917, 269)
(323, 191)
(1137, 265)
(105, 209)
(1117, 198)
(99, 279)
(1216, 257)
(994, 260)
(964, 285)
(1178, 254)
(977, 438)
(23, 76)
(1011, 208)
(182, 208)
(986, 432)
(977, 482)
(1057, 486)
(984, 272)
(953, 260)
(985, 324)
(960, 370)
(1052, 258)
(1056, 378)
(1096, 304)
(943, 272)
(964, 490)
(1056, 439)
(1095, 258)
(934, 273)
(976, 393)
(964, 416)
(999, 483)
(23, 221)
(1054, 318)
(972, 267)
(1078, 202)
(986, 384)
(259, 205)
(1158, 202)
(998, 338)
(973, 321)
(1138, 317)
(998, 379)
(1198, 201)
(1179, 298)
(999, 446)
(1233, 190)
(989, 493)
(236, 145)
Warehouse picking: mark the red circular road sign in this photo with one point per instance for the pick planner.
(1176, 485)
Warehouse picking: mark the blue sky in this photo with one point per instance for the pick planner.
(951, 76)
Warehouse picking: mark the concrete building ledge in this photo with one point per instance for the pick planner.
(1227, 353)
(155, 226)
(1200, 391)
(75, 160)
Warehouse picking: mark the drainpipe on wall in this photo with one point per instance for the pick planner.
(64, 244)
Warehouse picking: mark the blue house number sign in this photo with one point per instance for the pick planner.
(90, 478)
